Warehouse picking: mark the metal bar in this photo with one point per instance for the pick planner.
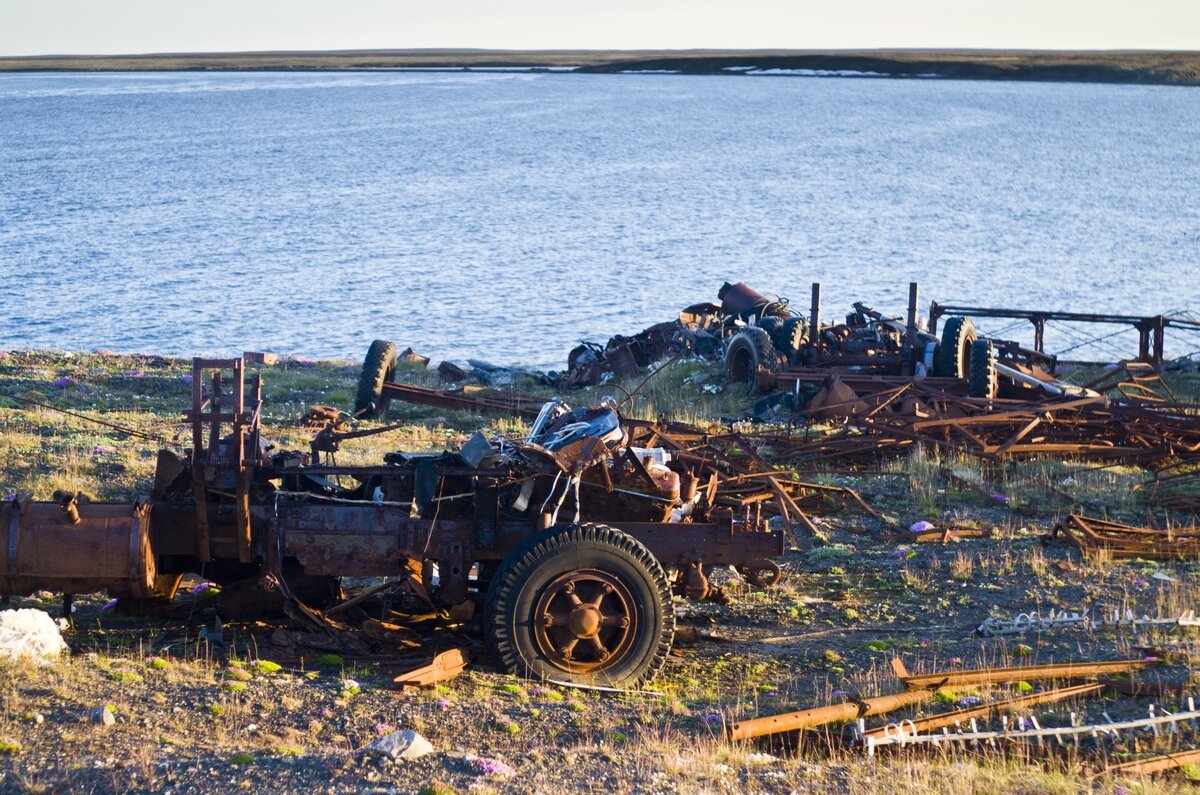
(819, 716)
(984, 710)
(983, 676)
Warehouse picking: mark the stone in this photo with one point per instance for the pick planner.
(102, 715)
(406, 744)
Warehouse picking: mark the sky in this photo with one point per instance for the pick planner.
(41, 27)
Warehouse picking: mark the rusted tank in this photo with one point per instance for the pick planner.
(75, 546)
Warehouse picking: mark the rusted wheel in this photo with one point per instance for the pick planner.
(953, 356)
(582, 604)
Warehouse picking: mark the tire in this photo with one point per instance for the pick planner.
(531, 615)
(953, 356)
(748, 350)
(791, 337)
(984, 381)
(378, 367)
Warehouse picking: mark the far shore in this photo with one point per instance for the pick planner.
(1181, 68)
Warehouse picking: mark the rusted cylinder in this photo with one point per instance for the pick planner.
(819, 716)
(108, 547)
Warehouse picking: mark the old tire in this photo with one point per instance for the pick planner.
(791, 337)
(984, 381)
(953, 356)
(748, 350)
(378, 367)
(584, 604)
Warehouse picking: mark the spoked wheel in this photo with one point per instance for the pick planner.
(581, 604)
(585, 621)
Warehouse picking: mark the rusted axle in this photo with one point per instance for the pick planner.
(986, 676)
(819, 716)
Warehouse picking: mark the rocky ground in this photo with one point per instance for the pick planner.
(149, 705)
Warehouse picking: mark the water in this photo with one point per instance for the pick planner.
(505, 216)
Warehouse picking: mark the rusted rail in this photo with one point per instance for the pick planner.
(1157, 764)
(986, 676)
(957, 716)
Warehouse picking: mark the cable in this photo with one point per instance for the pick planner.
(121, 428)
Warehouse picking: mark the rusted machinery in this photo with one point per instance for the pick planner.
(573, 539)
(1102, 538)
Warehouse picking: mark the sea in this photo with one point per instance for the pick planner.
(507, 216)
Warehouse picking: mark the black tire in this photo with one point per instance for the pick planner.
(530, 587)
(984, 381)
(748, 350)
(791, 337)
(953, 356)
(378, 367)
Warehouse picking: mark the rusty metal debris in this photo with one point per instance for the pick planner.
(1157, 764)
(1100, 537)
(1155, 720)
(820, 716)
(456, 528)
(445, 666)
(1035, 622)
(970, 714)
(1020, 673)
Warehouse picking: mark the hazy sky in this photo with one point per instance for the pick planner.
(32, 27)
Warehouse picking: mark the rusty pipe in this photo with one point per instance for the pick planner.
(819, 716)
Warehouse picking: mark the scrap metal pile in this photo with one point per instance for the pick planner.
(1003, 723)
(1115, 541)
(873, 424)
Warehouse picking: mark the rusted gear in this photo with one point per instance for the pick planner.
(585, 621)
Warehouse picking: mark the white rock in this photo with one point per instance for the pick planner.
(405, 744)
(102, 715)
(30, 633)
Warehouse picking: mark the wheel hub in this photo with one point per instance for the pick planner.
(585, 621)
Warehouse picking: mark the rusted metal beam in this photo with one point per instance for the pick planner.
(820, 716)
(1157, 764)
(444, 666)
(985, 676)
(931, 722)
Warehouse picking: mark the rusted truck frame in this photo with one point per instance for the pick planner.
(584, 600)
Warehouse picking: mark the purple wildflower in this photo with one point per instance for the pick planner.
(1001, 498)
(956, 661)
(969, 701)
(839, 693)
(1142, 583)
(381, 728)
(487, 766)
(187, 378)
(926, 641)
(712, 719)
(306, 362)
(10, 497)
(133, 373)
(443, 703)
(103, 449)
(772, 693)
(921, 527)
(64, 382)
(200, 588)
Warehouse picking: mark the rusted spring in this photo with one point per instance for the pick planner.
(585, 621)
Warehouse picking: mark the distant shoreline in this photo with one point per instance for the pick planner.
(1122, 67)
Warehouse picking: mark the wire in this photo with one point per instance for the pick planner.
(114, 426)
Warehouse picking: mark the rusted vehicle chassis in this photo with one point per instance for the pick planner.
(583, 599)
